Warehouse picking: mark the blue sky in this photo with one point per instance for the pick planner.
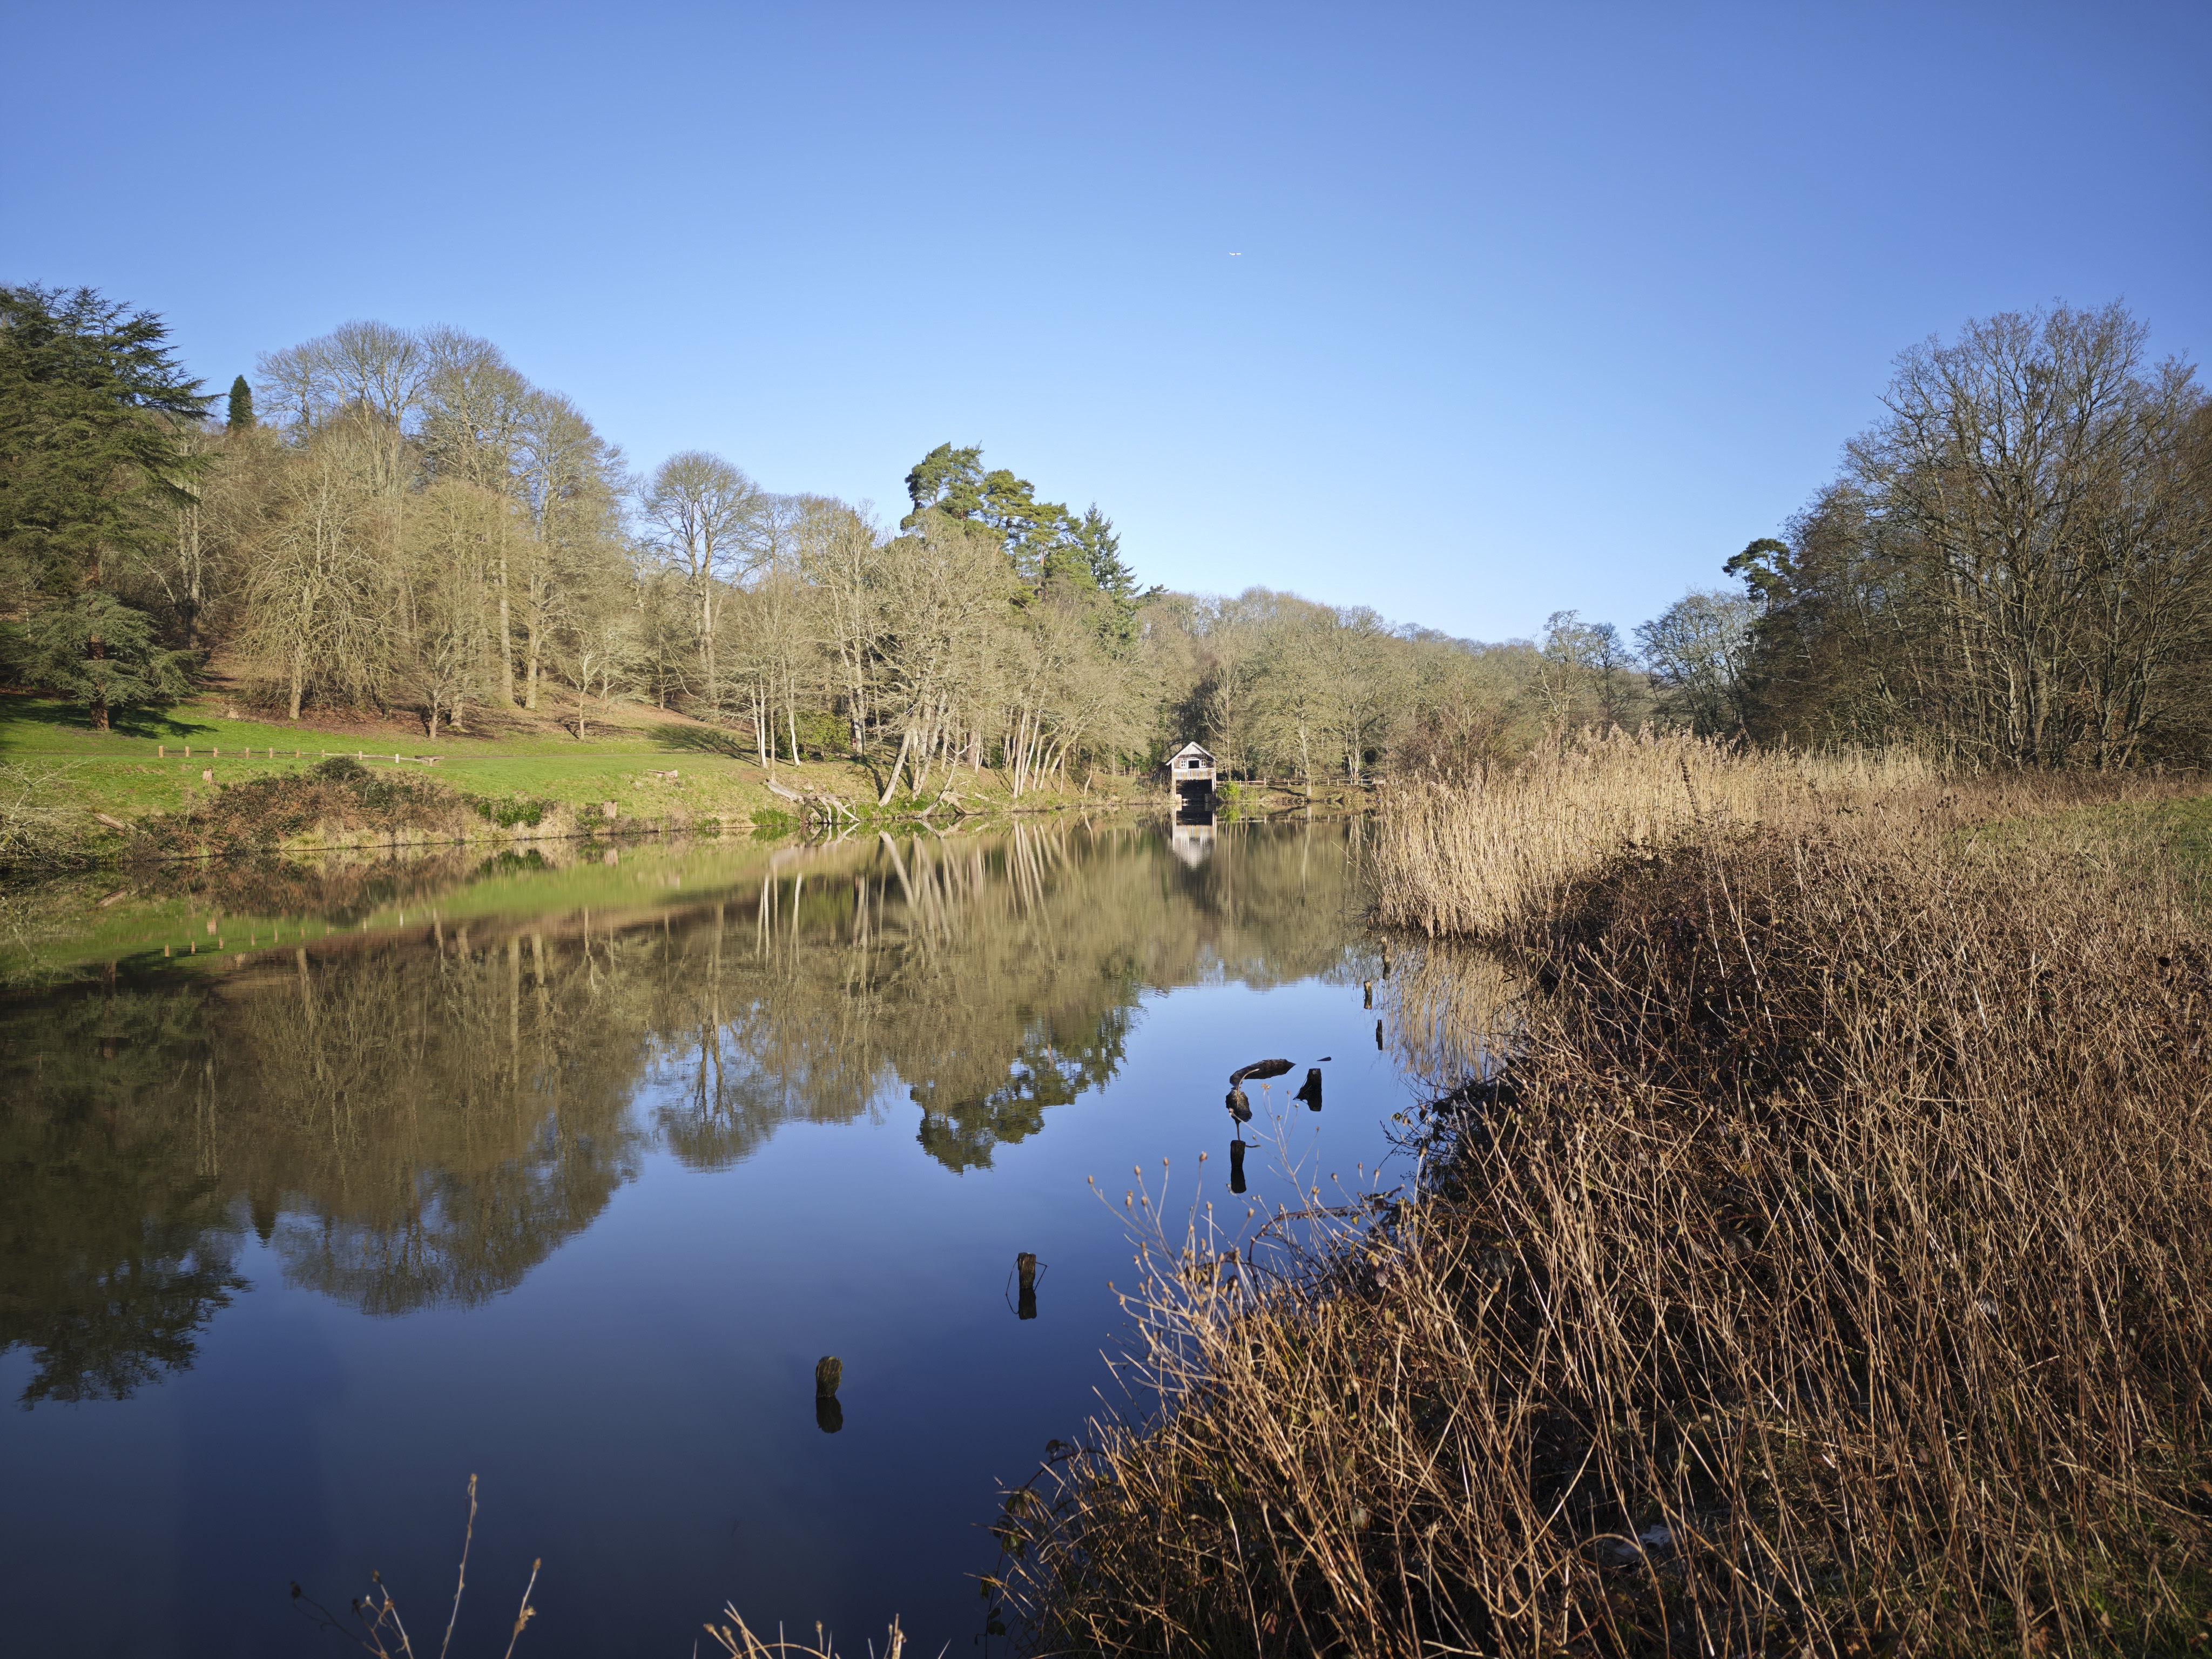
(1466, 313)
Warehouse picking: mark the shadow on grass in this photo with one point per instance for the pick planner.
(701, 740)
(708, 740)
(24, 720)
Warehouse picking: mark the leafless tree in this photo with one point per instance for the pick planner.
(699, 510)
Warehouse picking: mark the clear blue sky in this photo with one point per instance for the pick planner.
(1531, 308)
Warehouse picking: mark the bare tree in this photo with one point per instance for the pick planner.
(2032, 480)
(320, 591)
(476, 409)
(841, 556)
(568, 482)
(699, 509)
(1700, 646)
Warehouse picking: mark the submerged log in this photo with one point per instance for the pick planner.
(1259, 1068)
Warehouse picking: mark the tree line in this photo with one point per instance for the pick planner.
(399, 522)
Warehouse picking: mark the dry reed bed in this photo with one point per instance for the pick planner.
(1832, 1278)
(1461, 858)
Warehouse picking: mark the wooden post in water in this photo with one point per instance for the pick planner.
(1026, 1270)
(1369, 987)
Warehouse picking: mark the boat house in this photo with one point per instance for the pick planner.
(1190, 775)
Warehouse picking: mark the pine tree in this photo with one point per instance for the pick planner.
(96, 650)
(92, 471)
(241, 404)
(92, 403)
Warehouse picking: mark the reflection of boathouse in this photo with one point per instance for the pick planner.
(1191, 841)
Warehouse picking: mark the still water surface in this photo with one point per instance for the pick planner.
(566, 1178)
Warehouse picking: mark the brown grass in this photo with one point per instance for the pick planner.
(1458, 857)
(1830, 1273)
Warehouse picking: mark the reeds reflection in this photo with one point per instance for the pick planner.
(418, 1120)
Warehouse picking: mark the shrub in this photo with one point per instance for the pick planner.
(508, 812)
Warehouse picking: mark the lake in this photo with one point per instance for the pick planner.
(343, 1184)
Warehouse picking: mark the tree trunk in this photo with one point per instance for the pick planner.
(890, 784)
(506, 640)
(97, 649)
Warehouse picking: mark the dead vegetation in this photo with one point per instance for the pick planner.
(338, 799)
(1828, 1273)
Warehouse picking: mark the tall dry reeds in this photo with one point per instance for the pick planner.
(1460, 858)
(1831, 1272)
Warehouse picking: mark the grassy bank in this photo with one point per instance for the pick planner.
(1830, 1272)
(72, 796)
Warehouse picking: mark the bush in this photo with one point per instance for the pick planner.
(508, 812)
(338, 795)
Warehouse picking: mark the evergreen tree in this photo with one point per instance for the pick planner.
(96, 650)
(93, 467)
(241, 405)
(90, 457)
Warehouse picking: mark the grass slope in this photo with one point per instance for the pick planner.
(141, 771)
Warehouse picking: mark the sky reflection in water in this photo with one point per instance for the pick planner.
(573, 1195)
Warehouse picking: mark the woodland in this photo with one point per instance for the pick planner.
(2010, 566)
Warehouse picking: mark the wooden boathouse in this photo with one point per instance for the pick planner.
(1190, 775)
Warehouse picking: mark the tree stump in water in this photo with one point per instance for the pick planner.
(828, 1371)
(1310, 1092)
(1235, 1166)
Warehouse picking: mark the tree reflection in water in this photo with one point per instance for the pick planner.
(420, 1121)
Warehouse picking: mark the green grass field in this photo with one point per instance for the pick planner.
(2183, 828)
(155, 764)
(2179, 829)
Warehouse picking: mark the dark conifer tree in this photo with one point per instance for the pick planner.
(241, 404)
